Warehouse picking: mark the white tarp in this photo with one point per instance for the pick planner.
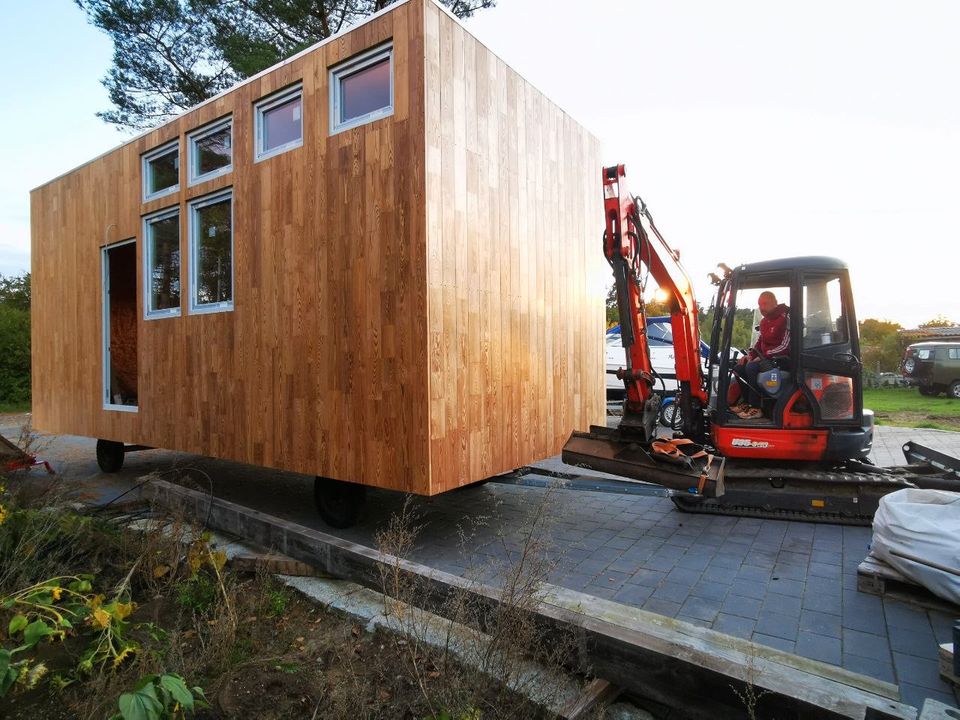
(918, 533)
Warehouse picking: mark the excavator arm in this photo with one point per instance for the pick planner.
(637, 255)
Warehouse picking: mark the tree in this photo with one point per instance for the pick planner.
(881, 345)
(937, 322)
(169, 55)
(15, 339)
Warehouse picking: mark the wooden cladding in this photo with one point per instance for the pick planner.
(417, 300)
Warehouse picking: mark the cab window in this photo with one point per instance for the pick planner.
(823, 317)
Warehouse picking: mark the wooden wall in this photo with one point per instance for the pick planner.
(515, 263)
(361, 346)
(317, 369)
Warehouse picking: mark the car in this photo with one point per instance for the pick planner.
(934, 367)
(660, 341)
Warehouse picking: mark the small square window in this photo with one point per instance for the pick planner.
(210, 151)
(361, 89)
(279, 123)
(161, 171)
(211, 253)
(161, 232)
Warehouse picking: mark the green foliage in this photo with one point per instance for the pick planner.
(15, 339)
(198, 593)
(157, 697)
(743, 327)
(169, 55)
(881, 346)
(276, 602)
(937, 322)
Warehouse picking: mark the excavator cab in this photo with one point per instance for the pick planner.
(810, 396)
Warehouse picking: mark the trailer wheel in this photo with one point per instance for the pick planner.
(671, 416)
(955, 389)
(109, 455)
(338, 502)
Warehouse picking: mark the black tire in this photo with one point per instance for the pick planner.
(339, 503)
(110, 455)
(955, 390)
(671, 416)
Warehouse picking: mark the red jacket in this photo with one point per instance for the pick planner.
(774, 339)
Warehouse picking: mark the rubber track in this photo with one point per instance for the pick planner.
(706, 508)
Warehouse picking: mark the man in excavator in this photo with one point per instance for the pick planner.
(773, 342)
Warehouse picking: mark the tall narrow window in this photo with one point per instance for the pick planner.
(211, 253)
(361, 89)
(210, 151)
(161, 171)
(279, 123)
(161, 232)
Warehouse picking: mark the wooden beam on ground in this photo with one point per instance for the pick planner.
(273, 563)
(668, 661)
(596, 692)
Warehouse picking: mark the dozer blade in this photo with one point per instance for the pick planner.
(603, 449)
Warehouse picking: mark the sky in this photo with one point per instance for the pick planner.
(752, 129)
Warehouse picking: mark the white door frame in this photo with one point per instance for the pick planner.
(105, 284)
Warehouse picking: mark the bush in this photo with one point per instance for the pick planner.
(14, 354)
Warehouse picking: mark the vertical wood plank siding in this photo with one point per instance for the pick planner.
(412, 306)
(515, 264)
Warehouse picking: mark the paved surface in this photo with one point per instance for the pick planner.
(785, 584)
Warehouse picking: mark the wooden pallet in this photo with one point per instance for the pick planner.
(876, 577)
(946, 663)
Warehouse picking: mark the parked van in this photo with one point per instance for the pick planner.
(934, 367)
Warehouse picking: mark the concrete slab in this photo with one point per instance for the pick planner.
(789, 585)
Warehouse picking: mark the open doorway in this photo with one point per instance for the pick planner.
(120, 326)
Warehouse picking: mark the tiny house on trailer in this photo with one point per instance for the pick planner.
(377, 263)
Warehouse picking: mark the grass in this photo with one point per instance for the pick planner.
(906, 407)
(17, 408)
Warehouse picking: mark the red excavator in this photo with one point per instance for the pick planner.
(805, 455)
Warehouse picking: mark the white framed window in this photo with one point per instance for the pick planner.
(210, 151)
(361, 89)
(161, 264)
(211, 253)
(160, 171)
(279, 123)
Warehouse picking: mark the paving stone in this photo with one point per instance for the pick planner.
(620, 543)
(866, 645)
(694, 620)
(820, 623)
(683, 576)
(659, 563)
(783, 586)
(824, 570)
(869, 666)
(919, 671)
(793, 558)
(643, 576)
(777, 624)
(867, 622)
(826, 557)
(825, 648)
(672, 591)
(724, 560)
(700, 608)
(734, 625)
(662, 607)
(694, 560)
(821, 603)
(710, 590)
(748, 588)
(742, 606)
(753, 574)
(787, 604)
(633, 594)
(790, 572)
(920, 643)
(915, 695)
(607, 593)
(774, 642)
(719, 575)
(906, 617)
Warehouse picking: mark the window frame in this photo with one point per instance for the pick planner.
(266, 104)
(148, 312)
(193, 157)
(349, 67)
(145, 160)
(193, 308)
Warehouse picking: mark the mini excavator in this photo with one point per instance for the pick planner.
(806, 456)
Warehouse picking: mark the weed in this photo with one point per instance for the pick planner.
(198, 594)
(277, 600)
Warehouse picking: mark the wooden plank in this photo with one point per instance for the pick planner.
(273, 563)
(666, 660)
(598, 691)
(945, 654)
(876, 577)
